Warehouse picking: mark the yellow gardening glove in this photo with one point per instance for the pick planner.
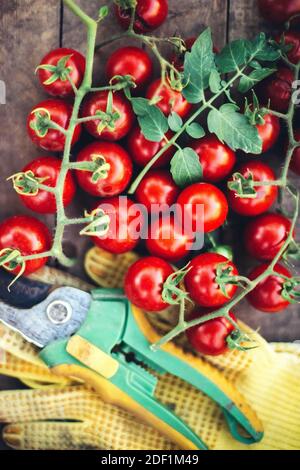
(268, 376)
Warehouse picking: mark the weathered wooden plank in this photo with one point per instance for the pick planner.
(244, 19)
(244, 22)
(28, 30)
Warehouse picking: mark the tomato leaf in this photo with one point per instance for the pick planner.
(175, 121)
(234, 128)
(195, 131)
(198, 65)
(215, 81)
(249, 81)
(152, 121)
(185, 167)
(241, 51)
(233, 55)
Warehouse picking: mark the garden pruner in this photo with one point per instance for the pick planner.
(102, 339)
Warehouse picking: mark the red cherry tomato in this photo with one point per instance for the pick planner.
(269, 131)
(44, 202)
(266, 195)
(200, 281)
(291, 38)
(295, 163)
(74, 67)
(210, 338)
(96, 102)
(277, 89)
(279, 11)
(59, 112)
(170, 100)
(144, 283)
(267, 294)
(119, 173)
(265, 235)
(149, 15)
(130, 61)
(124, 228)
(167, 240)
(157, 188)
(215, 207)
(217, 159)
(28, 235)
(142, 150)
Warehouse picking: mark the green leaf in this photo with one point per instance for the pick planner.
(262, 49)
(249, 81)
(152, 121)
(185, 167)
(215, 81)
(103, 12)
(198, 65)
(232, 127)
(241, 51)
(233, 55)
(175, 121)
(195, 131)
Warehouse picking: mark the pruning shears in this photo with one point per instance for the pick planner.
(102, 339)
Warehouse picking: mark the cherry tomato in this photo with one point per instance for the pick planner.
(142, 150)
(144, 283)
(265, 235)
(74, 67)
(217, 159)
(291, 38)
(215, 207)
(177, 59)
(200, 281)
(149, 15)
(28, 235)
(118, 175)
(210, 338)
(59, 112)
(269, 131)
(124, 228)
(170, 100)
(266, 195)
(279, 11)
(167, 239)
(48, 168)
(157, 188)
(96, 102)
(266, 296)
(295, 163)
(277, 89)
(130, 61)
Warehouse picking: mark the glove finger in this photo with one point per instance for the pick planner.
(48, 403)
(23, 370)
(46, 436)
(15, 344)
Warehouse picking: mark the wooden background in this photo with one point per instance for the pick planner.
(30, 28)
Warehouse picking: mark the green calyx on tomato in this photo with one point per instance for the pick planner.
(97, 223)
(42, 122)
(26, 183)
(172, 293)
(60, 71)
(243, 185)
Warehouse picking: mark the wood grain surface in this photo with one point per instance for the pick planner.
(30, 28)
